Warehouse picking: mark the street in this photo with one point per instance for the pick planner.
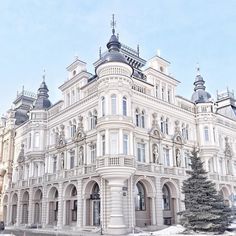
(22, 233)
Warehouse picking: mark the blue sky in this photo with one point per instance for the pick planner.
(38, 34)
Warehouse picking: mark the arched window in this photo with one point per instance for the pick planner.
(124, 105)
(143, 119)
(162, 124)
(167, 126)
(140, 203)
(137, 115)
(166, 197)
(90, 120)
(95, 117)
(103, 106)
(113, 104)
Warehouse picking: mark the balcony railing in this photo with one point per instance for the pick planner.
(115, 160)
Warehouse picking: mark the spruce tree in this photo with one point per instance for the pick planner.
(204, 207)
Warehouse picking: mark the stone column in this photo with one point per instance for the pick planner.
(19, 212)
(159, 210)
(31, 207)
(44, 207)
(153, 211)
(79, 204)
(60, 206)
(116, 223)
(9, 211)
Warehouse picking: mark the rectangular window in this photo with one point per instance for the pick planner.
(125, 144)
(156, 91)
(114, 143)
(103, 145)
(113, 104)
(74, 210)
(167, 156)
(187, 160)
(206, 134)
(141, 152)
(93, 153)
(72, 159)
(163, 93)
(54, 159)
(169, 96)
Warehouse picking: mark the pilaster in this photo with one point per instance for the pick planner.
(158, 199)
(60, 206)
(79, 203)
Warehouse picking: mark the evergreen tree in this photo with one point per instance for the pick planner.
(204, 207)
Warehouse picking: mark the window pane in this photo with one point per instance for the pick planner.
(125, 144)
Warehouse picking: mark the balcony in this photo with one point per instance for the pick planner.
(115, 161)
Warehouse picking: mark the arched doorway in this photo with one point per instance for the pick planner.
(70, 205)
(38, 207)
(169, 203)
(92, 204)
(5, 204)
(53, 206)
(142, 205)
(25, 208)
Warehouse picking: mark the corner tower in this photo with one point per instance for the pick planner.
(115, 162)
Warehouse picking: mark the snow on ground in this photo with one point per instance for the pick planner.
(177, 230)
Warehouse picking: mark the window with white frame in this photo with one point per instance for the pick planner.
(124, 105)
(141, 152)
(157, 90)
(166, 156)
(103, 144)
(143, 119)
(163, 93)
(72, 159)
(54, 164)
(162, 125)
(187, 160)
(125, 143)
(206, 134)
(93, 152)
(167, 126)
(113, 143)
(73, 129)
(140, 118)
(169, 95)
(68, 99)
(103, 106)
(113, 104)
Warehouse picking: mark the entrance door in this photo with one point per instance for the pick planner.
(96, 212)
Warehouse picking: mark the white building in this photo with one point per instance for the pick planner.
(114, 151)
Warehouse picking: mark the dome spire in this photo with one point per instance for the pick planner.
(200, 94)
(44, 75)
(113, 24)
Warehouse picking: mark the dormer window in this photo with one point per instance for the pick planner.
(74, 72)
(161, 69)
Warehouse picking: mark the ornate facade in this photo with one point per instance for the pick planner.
(112, 154)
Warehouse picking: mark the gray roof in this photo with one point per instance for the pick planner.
(200, 95)
(42, 102)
